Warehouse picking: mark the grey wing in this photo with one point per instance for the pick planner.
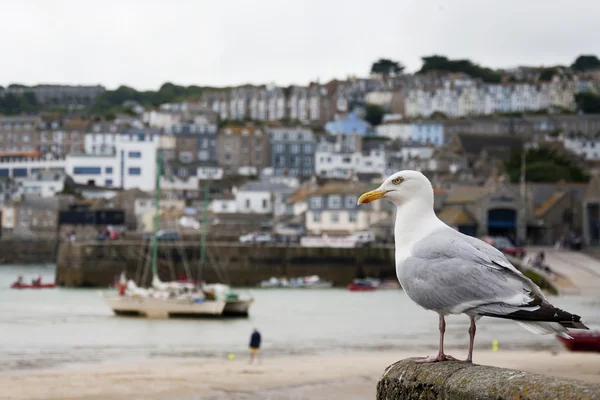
(447, 274)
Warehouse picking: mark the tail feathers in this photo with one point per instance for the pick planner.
(541, 318)
(545, 328)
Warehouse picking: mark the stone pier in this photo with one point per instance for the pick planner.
(407, 380)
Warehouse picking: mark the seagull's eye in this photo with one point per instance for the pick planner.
(397, 181)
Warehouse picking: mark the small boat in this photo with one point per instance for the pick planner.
(354, 287)
(364, 285)
(389, 284)
(30, 286)
(582, 341)
(307, 282)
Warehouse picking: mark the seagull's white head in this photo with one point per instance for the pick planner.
(400, 188)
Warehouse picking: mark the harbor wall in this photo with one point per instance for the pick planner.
(22, 251)
(100, 263)
(452, 380)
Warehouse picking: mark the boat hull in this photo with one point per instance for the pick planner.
(361, 288)
(42, 286)
(582, 341)
(237, 308)
(163, 308)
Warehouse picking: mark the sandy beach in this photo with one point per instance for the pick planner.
(350, 376)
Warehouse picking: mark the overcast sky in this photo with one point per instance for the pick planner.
(144, 43)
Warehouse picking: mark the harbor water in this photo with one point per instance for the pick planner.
(58, 328)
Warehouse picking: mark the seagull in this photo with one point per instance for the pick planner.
(445, 271)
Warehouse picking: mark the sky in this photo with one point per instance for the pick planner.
(144, 43)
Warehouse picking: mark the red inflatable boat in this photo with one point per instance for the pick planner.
(582, 341)
(29, 286)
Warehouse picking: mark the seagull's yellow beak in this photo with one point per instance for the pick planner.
(371, 196)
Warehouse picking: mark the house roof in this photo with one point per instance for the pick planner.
(549, 203)
(301, 194)
(356, 188)
(474, 144)
(262, 186)
(466, 194)
(456, 215)
(242, 130)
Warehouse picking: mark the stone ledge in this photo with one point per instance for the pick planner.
(408, 380)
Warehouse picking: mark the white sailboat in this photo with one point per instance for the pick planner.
(165, 299)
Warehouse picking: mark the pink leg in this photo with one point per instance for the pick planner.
(440, 356)
(472, 330)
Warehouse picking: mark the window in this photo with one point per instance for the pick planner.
(335, 217)
(316, 217)
(135, 171)
(247, 203)
(351, 201)
(108, 182)
(87, 170)
(308, 161)
(19, 172)
(186, 156)
(308, 148)
(280, 161)
(316, 202)
(135, 154)
(295, 148)
(296, 161)
(352, 216)
(279, 148)
(265, 204)
(108, 170)
(335, 201)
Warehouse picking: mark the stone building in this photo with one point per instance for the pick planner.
(243, 147)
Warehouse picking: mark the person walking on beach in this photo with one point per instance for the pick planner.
(254, 345)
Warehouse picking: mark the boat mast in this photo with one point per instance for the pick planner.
(204, 227)
(156, 211)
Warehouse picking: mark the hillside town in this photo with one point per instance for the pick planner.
(513, 154)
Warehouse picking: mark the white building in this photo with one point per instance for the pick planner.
(588, 148)
(100, 138)
(465, 97)
(133, 164)
(225, 204)
(43, 183)
(332, 209)
(330, 164)
(260, 197)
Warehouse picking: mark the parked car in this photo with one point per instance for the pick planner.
(504, 244)
(256, 237)
(364, 238)
(163, 234)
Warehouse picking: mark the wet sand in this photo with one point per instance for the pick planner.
(328, 376)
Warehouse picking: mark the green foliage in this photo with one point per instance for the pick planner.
(112, 100)
(441, 63)
(13, 104)
(545, 165)
(586, 63)
(374, 114)
(588, 102)
(386, 67)
(546, 74)
(438, 115)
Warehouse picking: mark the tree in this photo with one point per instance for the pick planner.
(374, 114)
(386, 67)
(545, 165)
(546, 74)
(588, 102)
(586, 63)
(442, 63)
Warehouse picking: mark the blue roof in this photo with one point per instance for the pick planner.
(348, 125)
